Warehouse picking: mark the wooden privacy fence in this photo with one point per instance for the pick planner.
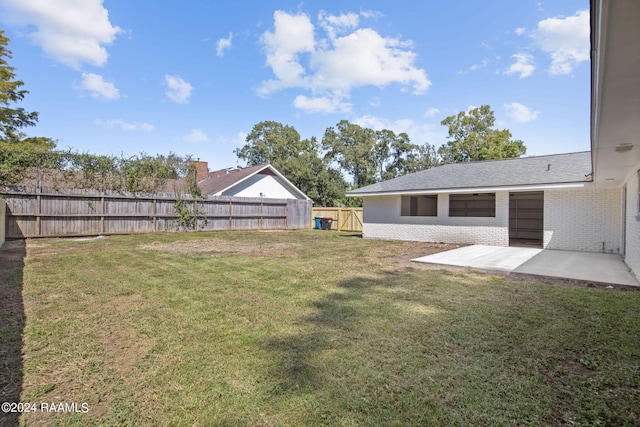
(74, 212)
(3, 221)
(344, 219)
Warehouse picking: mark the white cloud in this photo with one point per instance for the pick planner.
(331, 67)
(241, 138)
(293, 35)
(484, 63)
(98, 88)
(224, 44)
(371, 14)
(523, 66)
(565, 39)
(125, 126)
(195, 136)
(322, 105)
(178, 90)
(520, 113)
(73, 32)
(340, 24)
(520, 31)
(365, 58)
(431, 112)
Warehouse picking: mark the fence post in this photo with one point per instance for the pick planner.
(38, 225)
(102, 211)
(3, 220)
(155, 213)
(260, 221)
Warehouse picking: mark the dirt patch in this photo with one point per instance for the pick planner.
(404, 252)
(222, 246)
(559, 281)
(412, 250)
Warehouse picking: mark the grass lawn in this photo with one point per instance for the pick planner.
(303, 328)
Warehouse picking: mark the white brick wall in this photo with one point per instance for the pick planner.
(382, 220)
(576, 219)
(583, 220)
(632, 236)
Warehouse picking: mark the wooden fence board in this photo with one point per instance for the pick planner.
(75, 212)
(3, 210)
(344, 219)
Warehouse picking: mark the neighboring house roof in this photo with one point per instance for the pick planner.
(538, 171)
(217, 182)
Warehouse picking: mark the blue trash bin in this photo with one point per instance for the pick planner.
(318, 221)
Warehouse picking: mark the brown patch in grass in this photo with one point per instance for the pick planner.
(404, 252)
(223, 247)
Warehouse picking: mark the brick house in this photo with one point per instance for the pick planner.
(588, 201)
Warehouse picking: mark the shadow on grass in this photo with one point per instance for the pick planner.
(12, 322)
(334, 324)
(358, 235)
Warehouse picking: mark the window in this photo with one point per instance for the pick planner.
(419, 206)
(474, 205)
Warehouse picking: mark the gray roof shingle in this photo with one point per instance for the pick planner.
(522, 171)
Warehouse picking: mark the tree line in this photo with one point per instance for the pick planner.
(348, 156)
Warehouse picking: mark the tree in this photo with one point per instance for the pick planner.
(426, 157)
(20, 161)
(297, 159)
(402, 156)
(472, 138)
(352, 147)
(323, 184)
(12, 120)
(272, 142)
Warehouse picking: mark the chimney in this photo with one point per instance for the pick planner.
(202, 169)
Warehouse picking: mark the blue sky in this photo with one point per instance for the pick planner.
(194, 77)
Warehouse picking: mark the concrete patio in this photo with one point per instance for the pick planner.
(593, 267)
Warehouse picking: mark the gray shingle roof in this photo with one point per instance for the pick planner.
(522, 171)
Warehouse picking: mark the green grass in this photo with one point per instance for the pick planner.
(313, 328)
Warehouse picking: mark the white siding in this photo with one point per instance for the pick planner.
(583, 220)
(577, 220)
(261, 185)
(382, 220)
(632, 217)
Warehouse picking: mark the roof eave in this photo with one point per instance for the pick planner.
(533, 187)
(257, 171)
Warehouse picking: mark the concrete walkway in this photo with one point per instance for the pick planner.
(593, 267)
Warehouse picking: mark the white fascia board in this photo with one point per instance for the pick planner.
(571, 185)
(276, 172)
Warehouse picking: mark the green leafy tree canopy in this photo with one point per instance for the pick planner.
(472, 138)
(281, 146)
(14, 119)
(353, 148)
